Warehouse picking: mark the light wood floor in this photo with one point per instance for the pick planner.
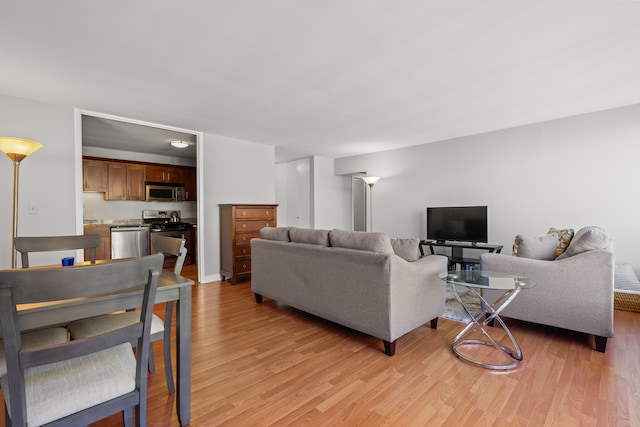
(272, 365)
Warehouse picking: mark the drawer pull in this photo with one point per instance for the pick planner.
(244, 238)
(244, 265)
(268, 225)
(244, 225)
(266, 213)
(244, 213)
(244, 251)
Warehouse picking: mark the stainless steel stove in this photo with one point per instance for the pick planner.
(167, 223)
(164, 221)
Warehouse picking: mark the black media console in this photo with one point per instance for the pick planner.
(457, 251)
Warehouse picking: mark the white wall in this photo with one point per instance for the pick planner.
(293, 193)
(47, 177)
(230, 171)
(331, 196)
(570, 172)
(309, 194)
(233, 171)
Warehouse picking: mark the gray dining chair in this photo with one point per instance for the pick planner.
(27, 245)
(77, 382)
(160, 329)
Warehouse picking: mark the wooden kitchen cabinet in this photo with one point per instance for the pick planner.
(135, 182)
(190, 184)
(103, 251)
(95, 176)
(126, 182)
(174, 175)
(238, 225)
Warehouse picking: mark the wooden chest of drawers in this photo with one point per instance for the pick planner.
(238, 225)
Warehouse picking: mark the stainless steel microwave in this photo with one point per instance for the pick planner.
(164, 192)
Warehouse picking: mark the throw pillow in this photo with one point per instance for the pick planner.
(307, 235)
(564, 238)
(363, 240)
(407, 248)
(543, 248)
(275, 233)
(586, 239)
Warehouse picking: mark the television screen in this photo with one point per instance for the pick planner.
(459, 223)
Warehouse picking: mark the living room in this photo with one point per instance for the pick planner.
(566, 167)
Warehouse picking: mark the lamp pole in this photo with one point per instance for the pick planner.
(371, 181)
(17, 149)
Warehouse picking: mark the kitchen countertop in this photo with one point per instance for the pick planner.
(127, 222)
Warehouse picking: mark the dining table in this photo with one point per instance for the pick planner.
(171, 287)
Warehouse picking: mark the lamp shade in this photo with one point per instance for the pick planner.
(18, 148)
(371, 180)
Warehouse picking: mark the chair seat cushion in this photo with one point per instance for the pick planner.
(60, 389)
(92, 326)
(33, 339)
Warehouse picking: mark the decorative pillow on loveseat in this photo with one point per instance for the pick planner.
(586, 239)
(363, 240)
(543, 248)
(406, 248)
(564, 238)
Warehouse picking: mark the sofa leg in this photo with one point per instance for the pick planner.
(434, 323)
(601, 343)
(258, 298)
(389, 347)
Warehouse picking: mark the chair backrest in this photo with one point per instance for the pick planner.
(171, 246)
(25, 245)
(27, 286)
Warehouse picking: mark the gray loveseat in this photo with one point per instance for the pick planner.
(355, 279)
(573, 291)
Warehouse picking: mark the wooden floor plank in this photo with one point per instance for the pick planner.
(269, 364)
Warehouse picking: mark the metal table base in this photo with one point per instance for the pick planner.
(481, 322)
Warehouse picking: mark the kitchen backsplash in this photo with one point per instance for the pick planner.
(97, 210)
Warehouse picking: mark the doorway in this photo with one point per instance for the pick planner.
(359, 203)
(107, 136)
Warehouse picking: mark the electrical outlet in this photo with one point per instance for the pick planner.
(33, 209)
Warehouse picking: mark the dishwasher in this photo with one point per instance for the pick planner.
(129, 241)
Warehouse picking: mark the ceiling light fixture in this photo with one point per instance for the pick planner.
(179, 144)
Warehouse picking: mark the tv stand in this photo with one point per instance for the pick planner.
(457, 250)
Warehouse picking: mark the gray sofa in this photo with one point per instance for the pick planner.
(355, 279)
(573, 291)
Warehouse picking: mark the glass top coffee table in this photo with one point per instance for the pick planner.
(466, 347)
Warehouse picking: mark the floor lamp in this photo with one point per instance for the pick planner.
(16, 149)
(371, 181)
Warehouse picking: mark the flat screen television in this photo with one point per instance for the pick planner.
(457, 223)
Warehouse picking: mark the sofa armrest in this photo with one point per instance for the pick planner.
(417, 292)
(574, 293)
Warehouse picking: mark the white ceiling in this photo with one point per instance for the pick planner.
(333, 77)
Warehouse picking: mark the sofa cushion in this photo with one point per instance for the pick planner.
(586, 239)
(543, 248)
(362, 240)
(564, 238)
(407, 248)
(308, 235)
(275, 233)
(624, 279)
